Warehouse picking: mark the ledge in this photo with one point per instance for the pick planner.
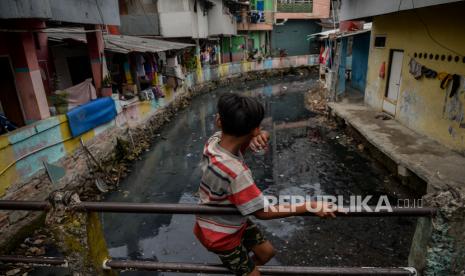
(436, 164)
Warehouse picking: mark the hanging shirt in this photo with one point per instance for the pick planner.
(140, 71)
(415, 68)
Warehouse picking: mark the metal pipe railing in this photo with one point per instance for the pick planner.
(265, 270)
(24, 205)
(213, 268)
(34, 260)
(181, 208)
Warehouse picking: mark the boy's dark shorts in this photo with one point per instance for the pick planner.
(238, 260)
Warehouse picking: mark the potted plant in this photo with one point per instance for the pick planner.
(60, 101)
(107, 90)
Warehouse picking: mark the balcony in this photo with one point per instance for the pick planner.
(294, 6)
(255, 21)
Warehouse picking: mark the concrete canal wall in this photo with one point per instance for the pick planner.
(24, 151)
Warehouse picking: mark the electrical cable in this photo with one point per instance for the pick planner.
(430, 35)
(33, 152)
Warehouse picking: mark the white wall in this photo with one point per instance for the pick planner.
(353, 9)
(219, 21)
(141, 18)
(173, 5)
(75, 11)
(178, 19)
(176, 24)
(202, 22)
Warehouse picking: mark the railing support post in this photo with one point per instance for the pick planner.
(438, 246)
(78, 235)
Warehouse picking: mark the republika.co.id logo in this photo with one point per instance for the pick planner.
(329, 203)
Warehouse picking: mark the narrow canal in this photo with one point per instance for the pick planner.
(303, 160)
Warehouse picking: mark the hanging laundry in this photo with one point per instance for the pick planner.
(462, 84)
(329, 56)
(428, 73)
(321, 57)
(148, 66)
(455, 85)
(140, 71)
(415, 68)
(445, 78)
(325, 56)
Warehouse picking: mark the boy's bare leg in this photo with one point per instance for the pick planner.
(263, 253)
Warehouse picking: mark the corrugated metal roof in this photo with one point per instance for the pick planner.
(118, 43)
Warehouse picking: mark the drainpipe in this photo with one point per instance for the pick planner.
(230, 49)
(197, 54)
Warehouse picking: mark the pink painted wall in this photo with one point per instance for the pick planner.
(95, 48)
(44, 60)
(321, 8)
(22, 50)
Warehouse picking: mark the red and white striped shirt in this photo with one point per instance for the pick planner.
(226, 180)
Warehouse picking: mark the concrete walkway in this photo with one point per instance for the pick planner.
(437, 165)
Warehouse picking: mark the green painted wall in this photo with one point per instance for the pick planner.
(236, 52)
(236, 42)
(256, 39)
(267, 4)
(225, 45)
(292, 36)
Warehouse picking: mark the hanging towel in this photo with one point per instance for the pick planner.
(445, 78)
(455, 85)
(415, 68)
(140, 71)
(428, 73)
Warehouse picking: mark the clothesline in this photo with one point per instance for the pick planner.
(418, 70)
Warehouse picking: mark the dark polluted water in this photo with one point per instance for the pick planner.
(306, 157)
(302, 160)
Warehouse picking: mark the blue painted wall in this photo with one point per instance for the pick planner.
(360, 49)
(292, 36)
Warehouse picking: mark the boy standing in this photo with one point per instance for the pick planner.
(227, 181)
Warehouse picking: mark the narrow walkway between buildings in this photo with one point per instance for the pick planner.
(429, 160)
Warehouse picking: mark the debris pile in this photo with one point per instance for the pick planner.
(39, 243)
(316, 100)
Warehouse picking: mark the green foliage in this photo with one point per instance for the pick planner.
(121, 149)
(107, 81)
(59, 98)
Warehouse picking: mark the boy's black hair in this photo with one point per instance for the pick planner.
(239, 115)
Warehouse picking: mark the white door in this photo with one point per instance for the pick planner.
(395, 77)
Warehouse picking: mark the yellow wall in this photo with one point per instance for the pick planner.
(421, 103)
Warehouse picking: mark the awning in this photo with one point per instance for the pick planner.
(337, 33)
(118, 43)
